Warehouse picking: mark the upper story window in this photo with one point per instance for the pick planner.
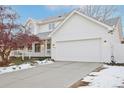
(51, 26)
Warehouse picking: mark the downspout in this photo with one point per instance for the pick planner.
(112, 46)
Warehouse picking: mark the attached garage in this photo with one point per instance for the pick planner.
(81, 39)
(88, 50)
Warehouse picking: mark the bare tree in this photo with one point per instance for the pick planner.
(9, 40)
(99, 12)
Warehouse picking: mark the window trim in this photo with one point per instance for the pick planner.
(51, 26)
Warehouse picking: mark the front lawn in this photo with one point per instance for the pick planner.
(19, 61)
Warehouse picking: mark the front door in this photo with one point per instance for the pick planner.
(37, 47)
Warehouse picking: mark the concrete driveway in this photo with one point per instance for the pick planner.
(59, 74)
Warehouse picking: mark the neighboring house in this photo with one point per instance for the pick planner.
(77, 37)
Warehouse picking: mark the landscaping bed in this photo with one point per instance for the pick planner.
(20, 65)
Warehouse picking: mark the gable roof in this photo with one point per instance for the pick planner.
(52, 19)
(81, 14)
(110, 22)
(28, 21)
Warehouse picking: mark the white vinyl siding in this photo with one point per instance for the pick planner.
(90, 47)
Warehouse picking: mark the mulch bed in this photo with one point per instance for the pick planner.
(4, 64)
(99, 69)
(116, 64)
(79, 83)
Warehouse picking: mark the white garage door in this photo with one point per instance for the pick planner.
(79, 50)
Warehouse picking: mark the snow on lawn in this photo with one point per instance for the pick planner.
(44, 62)
(112, 76)
(24, 66)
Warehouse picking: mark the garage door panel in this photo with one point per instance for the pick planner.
(82, 50)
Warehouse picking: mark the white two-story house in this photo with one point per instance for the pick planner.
(76, 37)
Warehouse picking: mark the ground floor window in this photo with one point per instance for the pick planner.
(48, 44)
(37, 47)
(30, 48)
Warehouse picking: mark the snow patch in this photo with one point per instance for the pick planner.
(44, 62)
(24, 66)
(112, 76)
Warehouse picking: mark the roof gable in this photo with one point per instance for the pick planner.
(29, 20)
(89, 18)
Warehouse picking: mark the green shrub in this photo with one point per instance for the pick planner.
(18, 60)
